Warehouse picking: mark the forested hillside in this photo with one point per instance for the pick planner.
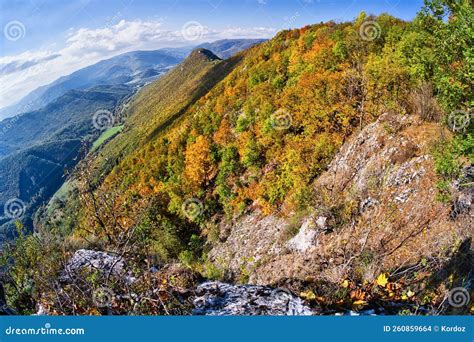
(334, 159)
(40, 147)
(161, 103)
(67, 116)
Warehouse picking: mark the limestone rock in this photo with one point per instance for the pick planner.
(221, 299)
(84, 259)
(306, 237)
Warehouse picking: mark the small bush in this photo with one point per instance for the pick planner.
(423, 103)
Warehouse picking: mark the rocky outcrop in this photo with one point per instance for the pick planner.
(90, 261)
(218, 299)
(463, 191)
(307, 235)
(383, 212)
(247, 242)
(305, 238)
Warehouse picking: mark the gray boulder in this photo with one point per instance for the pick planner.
(221, 299)
(84, 259)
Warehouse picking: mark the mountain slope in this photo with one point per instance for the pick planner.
(161, 103)
(316, 161)
(375, 209)
(30, 177)
(134, 68)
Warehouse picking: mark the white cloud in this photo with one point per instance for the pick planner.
(23, 73)
(11, 64)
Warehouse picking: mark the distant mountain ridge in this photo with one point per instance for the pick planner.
(134, 68)
(228, 47)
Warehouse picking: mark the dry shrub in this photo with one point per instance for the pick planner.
(423, 103)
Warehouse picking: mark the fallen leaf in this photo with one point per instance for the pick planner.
(382, 280)
(360, 302)
(309, 295)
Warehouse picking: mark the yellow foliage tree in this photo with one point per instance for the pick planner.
(198, 162)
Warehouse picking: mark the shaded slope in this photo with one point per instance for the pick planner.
(67, 117)
(32, 176)
(41, 145)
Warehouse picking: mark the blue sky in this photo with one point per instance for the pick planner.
(45, 39)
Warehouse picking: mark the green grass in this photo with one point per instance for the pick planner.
(105, 136)
(63, 191)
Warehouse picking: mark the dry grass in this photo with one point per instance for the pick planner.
(423, 103)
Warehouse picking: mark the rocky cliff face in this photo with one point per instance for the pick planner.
(377, 211)
(376, 234)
